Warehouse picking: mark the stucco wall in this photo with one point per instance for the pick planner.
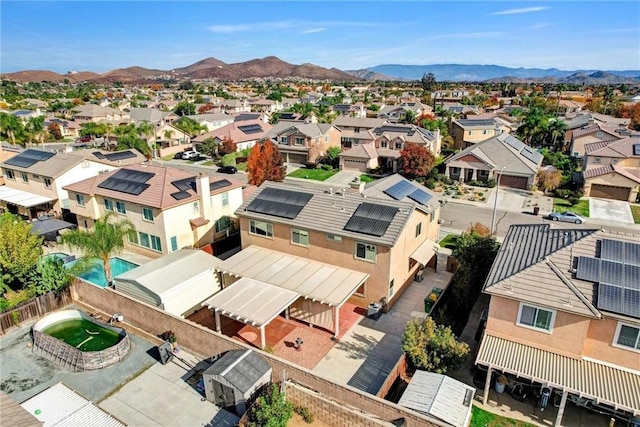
(599, 345)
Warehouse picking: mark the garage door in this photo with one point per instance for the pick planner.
(358, 165)
(609, 192)
(514, 181)
(296, 158)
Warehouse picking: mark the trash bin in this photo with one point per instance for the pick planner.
(428, 303)
(536, 210)
(374, 310)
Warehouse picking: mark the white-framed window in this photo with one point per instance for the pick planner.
(418, 229)
(133, 238)
(25, 177)
(174, 243)
(627, 337)
(147, 214)
(326, 138)
(334, 237)
(537, 318)
(299, 237)
(156, 243)
(47, 183)
(299, 141)
(144, 239)
(10, 174)
(108, 205)
(121, 208)
(384, 144)
(260, 228)
(366, 251)
(398, 145)
(225, 199)
(80, 199)
(283, 140)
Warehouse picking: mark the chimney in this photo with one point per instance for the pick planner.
(202, 188)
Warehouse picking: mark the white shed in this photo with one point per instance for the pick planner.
(178, 282)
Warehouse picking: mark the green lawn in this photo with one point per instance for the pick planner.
(635, 211)
(314, 174)
(241, 166)
(450, 241)
(482, 418)
(367, 178)
(581, 208)
(167, 157)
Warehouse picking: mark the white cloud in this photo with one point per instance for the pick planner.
(257, 26)
(314, 30)
(521, 10)
(478, 35)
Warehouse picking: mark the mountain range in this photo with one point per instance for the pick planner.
(273, 67)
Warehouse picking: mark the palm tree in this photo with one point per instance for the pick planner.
(102, 241)
(12, 128)
(148, 130)
(408, 117)
(35, 129)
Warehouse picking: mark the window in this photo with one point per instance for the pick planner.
(535, 317)
(283, 140)
(156, 244)
(25, 177)
(334, 237)
(121, 208)
(223, 223)
(79, 199)
(108, 205)
(10, 174)
(398, 145)
(85, 223)
(366, 251)
(627, 336)
(260, 228)
(470, 132)
(144, 239)
(391, 286)
(35, 176)
(418, 229)
(300, 237)
(299, 141)
(597, 160)
(225, 199)
(47, 182)
(384, 144)
(196, 207)
(174, 243)
(147, 214)
(133, 238)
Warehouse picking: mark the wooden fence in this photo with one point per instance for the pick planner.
(34, 308)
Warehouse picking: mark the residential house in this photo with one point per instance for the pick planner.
(611, 169)
(466, 132)
(25, 115)
(304, 143)
(265, 105)
(588, 134)
(231, 106)
(169, 208)
(503, 158)
(244, 133)
(286, 116)
(350, 110)
(169, 139)
(96, 113)
(387, 143)
(152, 115)
(456, 109)
(449, 95)
(393, 113)
(564, 313)
(354, 130)
(35, 179)
(68, 128)
(212, 121)
(388, 239)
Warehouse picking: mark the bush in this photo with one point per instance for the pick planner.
(270, 409)
(304, 412)
(228, 160)
(327, 167)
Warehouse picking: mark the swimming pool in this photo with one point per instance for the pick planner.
(95, 273)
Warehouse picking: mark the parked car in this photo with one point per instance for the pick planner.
(227, 169)
(192, 154)
(178, 155)
(566, 217)
(83, 139)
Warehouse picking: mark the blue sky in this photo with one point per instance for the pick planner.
(100, 36)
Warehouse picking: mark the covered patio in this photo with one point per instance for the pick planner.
(23, 201)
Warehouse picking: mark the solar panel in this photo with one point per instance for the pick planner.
(38, 154)
(28, 158)
(612, 250)
(249, 129)
(612, 272)
(513, 142)
(99, 155)
(23, 162)
(123, 186)
(610, 298)
(280, 203)
(588, 269)
(631, 302)
(185, 184)
(114, 157)
(133, 175)
(636, 149)
(216, 185)
(632, 253)
(531, 154)
(371, 219)
(400, 190)
(179, 195)
(420, 196)
(632, 276)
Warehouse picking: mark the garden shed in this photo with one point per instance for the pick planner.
(234, 378)
(178, 282)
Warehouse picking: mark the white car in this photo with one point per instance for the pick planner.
(566, 217)
(190, 155)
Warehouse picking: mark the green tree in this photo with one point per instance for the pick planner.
(270, 409)
(11, 128)
(50, 275)
(35, 129)
(189, 126)
(428, 82)
(185, 108)
(127, 142)
(333, 156)
(433, 347)
(209, 147)
(408, 117)
(102, 241)
(20, 250)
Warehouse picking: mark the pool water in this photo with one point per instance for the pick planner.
(95, 273)
(83, 334)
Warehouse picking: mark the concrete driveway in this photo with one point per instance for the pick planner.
(615, 211)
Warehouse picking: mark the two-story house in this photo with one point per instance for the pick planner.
(611, 169)
(565, 314)
(304, 143)
(593, 132)
(169, 208)
(466, 132)
(354, 130)
(245, 133)
(96, 113)
(35, 179)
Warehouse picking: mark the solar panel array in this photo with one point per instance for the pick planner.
(249, 129)
(617, 273)
(531, 154)
(185, 184)
(121, 155)
(280, 203)
(371, 219)
(216, 185)
(127, 181)
(28, 158)
(420, 196)
(483, 122)
(99, 155)
(404, 189)
(398, 129)
(180, 195)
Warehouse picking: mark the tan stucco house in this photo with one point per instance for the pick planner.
(304, 143)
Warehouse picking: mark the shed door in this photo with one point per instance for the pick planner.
(224, 396)
(514, 181)
(609, 192)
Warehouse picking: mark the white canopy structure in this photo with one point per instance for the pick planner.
(427, 250)
(22, 198)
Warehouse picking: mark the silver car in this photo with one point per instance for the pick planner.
(566, 217)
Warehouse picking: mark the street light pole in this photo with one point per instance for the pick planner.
(495, 202)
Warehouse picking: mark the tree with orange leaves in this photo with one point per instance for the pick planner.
(415, 160)
(265, 163)
(227, 146)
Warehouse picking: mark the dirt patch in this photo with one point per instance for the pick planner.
(297, 421)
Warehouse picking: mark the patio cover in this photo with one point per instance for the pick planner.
(49, 225)
(313, 280)
(605, 383)
(22, 198)
(425, 252)
(251, 301)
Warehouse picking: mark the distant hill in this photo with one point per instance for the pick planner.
(470, 72)
(269, 67)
